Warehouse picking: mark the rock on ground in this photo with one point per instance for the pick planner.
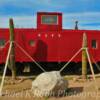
(49, 84)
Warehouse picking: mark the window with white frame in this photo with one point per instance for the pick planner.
(49, 19)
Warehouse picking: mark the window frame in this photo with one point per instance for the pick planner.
(49, 23)
(2, 42)
(95, 44)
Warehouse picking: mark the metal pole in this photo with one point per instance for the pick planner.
(76, 25)
(70, 60)
(29, 56)
(92, 71)
(5, 68)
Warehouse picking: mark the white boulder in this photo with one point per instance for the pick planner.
(49, 84)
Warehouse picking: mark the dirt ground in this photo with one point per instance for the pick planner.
(78, 90)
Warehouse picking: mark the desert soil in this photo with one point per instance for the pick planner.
(78, 90)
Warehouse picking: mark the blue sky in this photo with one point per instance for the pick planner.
(87, 12)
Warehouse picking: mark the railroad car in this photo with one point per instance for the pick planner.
(49, 44)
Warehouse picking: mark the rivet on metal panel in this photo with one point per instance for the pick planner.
(39, 35)
(52, 35)
(46, 35)
(59, 35)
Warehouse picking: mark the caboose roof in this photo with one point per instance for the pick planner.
(51, 13)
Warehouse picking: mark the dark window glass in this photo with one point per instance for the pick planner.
(49, 19)
(2, 42)
(94, 44)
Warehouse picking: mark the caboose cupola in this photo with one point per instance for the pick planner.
(49, 21)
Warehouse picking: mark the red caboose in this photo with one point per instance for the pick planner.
(49, 42)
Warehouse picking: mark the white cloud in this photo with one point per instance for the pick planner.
(30, 3)
(19, 21)
(83, 15)
(85, 19)
(40, 4)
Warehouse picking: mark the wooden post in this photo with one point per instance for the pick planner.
(84, 57)
(12, 53)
